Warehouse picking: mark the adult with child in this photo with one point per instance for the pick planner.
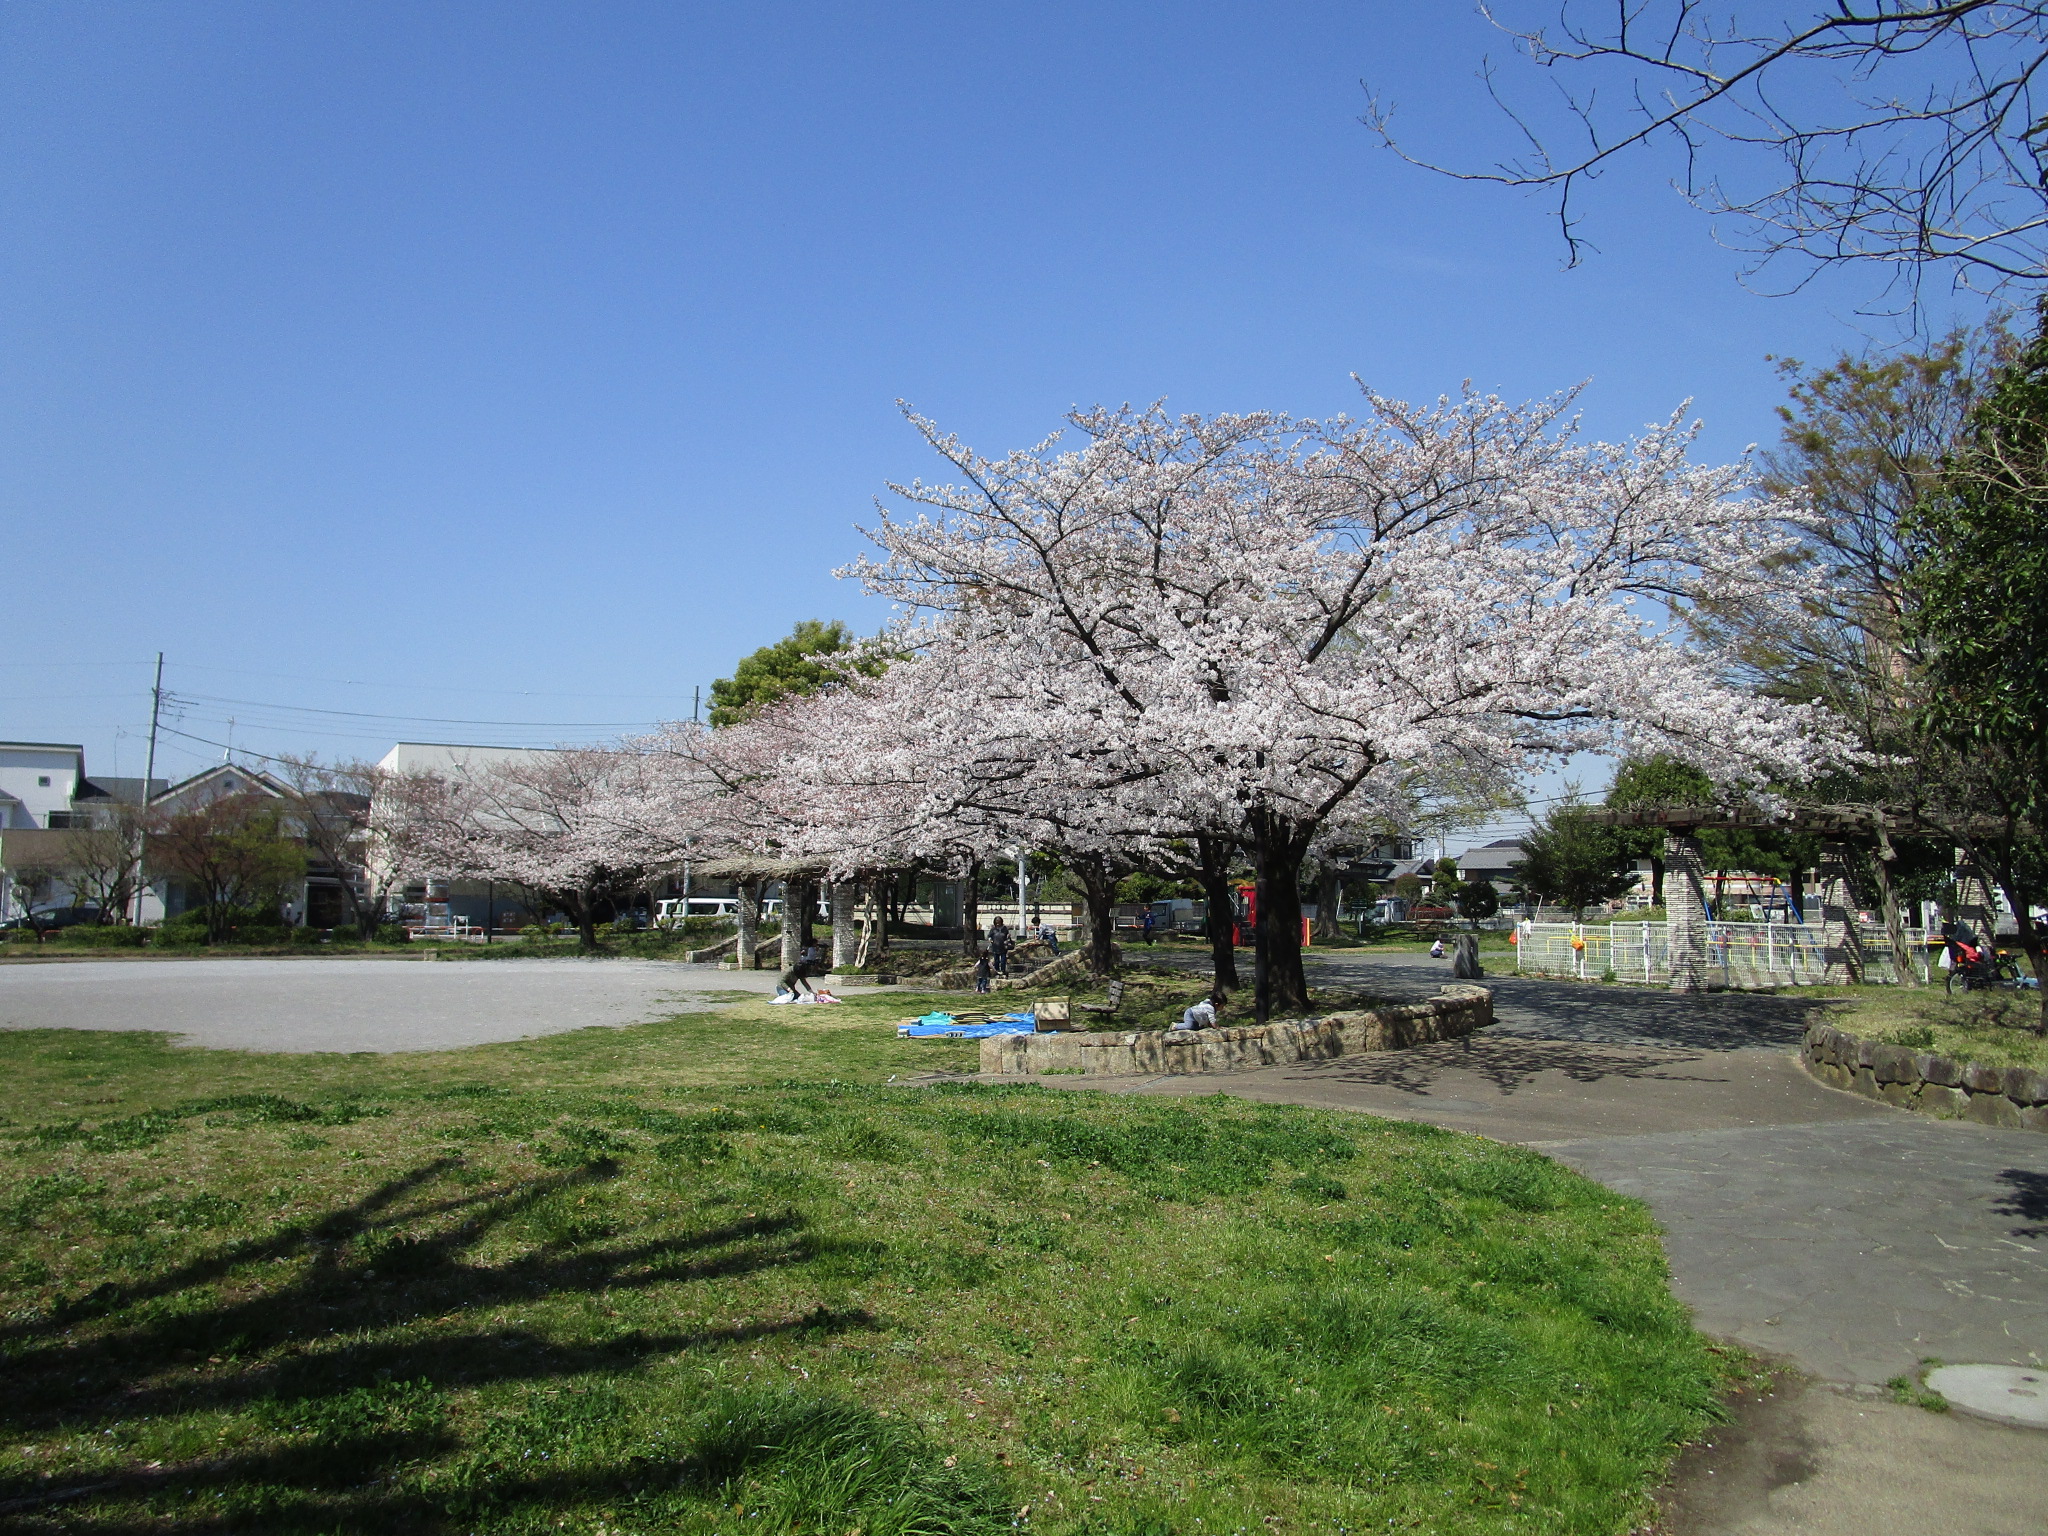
(796, 980)
(999, 942)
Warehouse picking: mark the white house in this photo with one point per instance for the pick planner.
(44, 789)
(38, 781)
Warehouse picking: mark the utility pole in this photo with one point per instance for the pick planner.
(156, 704)
(696, 701)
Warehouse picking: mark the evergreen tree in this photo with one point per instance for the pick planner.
(1977, 585)
(1572, 862)
(801, 663)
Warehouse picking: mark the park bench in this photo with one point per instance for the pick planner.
(1116, 997)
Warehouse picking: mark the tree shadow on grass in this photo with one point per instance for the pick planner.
(354, 1486)
(404, 1256)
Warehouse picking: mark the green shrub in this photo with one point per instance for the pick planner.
(111, 936)
(182, 931)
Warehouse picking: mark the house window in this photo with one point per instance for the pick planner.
(42, 781)
(60, 820)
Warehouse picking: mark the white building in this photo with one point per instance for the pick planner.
(38, 782)
(457, 905)
(44, 789)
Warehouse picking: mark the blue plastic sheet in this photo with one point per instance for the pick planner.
(945, 1026)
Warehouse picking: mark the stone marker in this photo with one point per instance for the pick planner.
(2005, 1394)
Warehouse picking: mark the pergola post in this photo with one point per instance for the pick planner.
(796, 896)
(1685, 911)
(845, 930)
(750, 924)
(1841, 945)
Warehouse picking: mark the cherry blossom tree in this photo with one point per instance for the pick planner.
(570, 826)
(373, 826)
(1245, 626)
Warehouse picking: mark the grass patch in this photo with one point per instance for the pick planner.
(714, 1275)
(1996, 1029)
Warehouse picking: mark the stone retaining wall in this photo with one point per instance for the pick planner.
(1154, 1052)
(1933, 1085)
(1071, 969)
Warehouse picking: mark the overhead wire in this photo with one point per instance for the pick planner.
(359, 714)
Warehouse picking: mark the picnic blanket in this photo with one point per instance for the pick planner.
(945, 1026)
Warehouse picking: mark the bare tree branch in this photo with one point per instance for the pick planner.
(1906, 133)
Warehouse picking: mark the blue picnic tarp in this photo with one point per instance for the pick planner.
(945, 1026)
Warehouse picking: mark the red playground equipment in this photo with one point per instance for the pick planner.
(1248, 917)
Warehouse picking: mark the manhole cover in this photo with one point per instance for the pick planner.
(2010, 1394)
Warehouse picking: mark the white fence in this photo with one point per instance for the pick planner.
(1738, 954)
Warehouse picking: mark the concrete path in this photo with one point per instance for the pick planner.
(399, 1004)
(1807, 1461)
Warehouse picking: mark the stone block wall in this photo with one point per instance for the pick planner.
(1069, 970)
(1920, 1080)
(1456, 1011)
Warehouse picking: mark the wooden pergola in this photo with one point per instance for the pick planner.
(751, 872)
(1837, 822)
(1684, 884)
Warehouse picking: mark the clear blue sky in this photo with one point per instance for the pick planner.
(530, 363)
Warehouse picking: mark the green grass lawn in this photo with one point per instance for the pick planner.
(1997, 1029)
(716, 1275)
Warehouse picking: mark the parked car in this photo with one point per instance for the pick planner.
(55, 917)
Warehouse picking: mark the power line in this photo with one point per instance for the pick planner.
(359, 714)
(356, 682)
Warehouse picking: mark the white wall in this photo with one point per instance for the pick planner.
(42, 778)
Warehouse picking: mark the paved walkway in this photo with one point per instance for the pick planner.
(370, 1004)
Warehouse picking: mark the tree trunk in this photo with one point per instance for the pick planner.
(1329, 896)
(1214, 855)
(1278, 847)
(1888, 906)
(970, 910)
(1099, 887)
(1656, 879)
(586, 920)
